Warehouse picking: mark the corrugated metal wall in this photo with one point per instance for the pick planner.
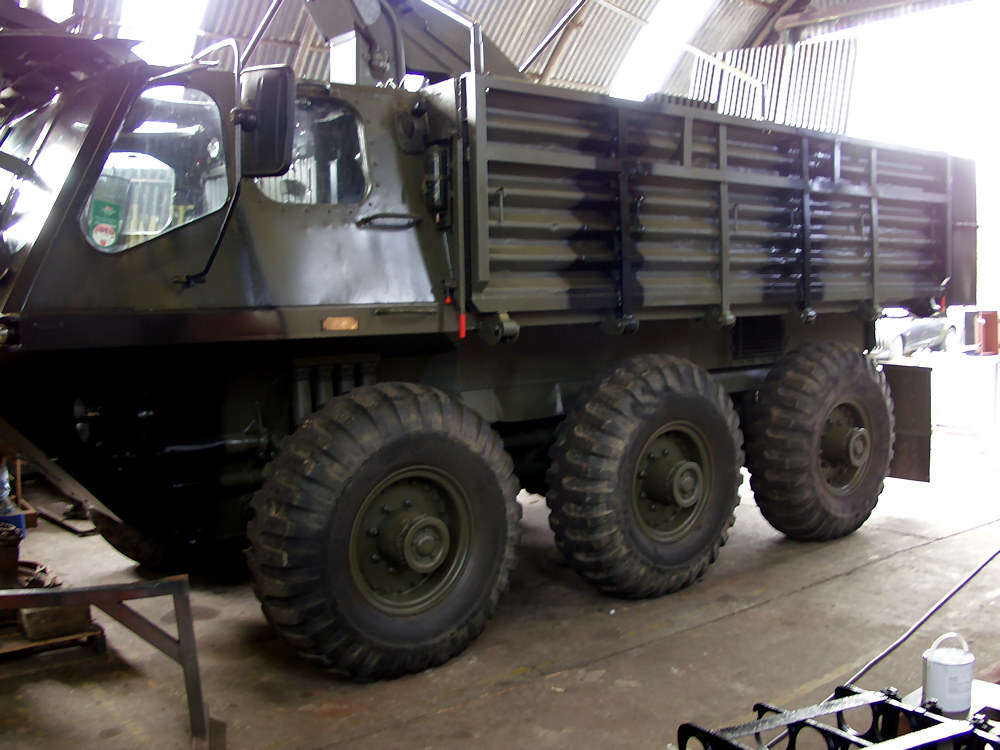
(727, 26)
(806, 85)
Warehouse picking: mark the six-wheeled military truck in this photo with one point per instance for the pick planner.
(349, 322)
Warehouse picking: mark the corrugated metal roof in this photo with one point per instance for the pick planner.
(597, 43)
(730, 24)
(101, 17)
(588, 58)
(291, 38)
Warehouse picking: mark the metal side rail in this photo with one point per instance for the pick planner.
(887, 724)
(111, 599)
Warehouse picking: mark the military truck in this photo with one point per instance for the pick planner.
(350, 322)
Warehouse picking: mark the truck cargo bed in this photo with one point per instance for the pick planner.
(585, 202)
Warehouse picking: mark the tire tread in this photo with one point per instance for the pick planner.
(782, 422)
(585, 506)
(290, 511)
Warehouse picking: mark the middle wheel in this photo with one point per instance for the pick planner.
(644, 477)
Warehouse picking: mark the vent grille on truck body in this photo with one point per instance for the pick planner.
(762, 336)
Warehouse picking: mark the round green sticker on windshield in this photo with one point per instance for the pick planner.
(105, 219)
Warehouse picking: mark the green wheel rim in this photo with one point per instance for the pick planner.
(411, 540)
(845, 446)
(672, 480)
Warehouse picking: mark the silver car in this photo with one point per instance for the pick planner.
(899, 333)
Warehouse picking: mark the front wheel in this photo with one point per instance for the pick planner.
(385, 531)
(819, 442)
(645, 476)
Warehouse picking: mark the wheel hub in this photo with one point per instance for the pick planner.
(410, 538)
(859, 446)
(845, 446)
(418, 542)
(686, 483)
(670, 487)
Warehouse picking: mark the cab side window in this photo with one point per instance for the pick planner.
(328, 163)
(166, 168)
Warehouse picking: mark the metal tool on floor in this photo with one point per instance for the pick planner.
(856, 718)
(920, 720)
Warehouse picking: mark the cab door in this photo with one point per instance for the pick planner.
(146, 211)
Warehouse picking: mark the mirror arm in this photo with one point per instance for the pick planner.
(240, 119)
(199, 278)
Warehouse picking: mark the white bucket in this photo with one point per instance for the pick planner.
(948, 675)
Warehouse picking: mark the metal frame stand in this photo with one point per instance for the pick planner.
(891, 725)
(111, 600)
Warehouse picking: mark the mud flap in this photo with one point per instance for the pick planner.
(911, 398)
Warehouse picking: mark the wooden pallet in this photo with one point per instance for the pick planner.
(12, 641)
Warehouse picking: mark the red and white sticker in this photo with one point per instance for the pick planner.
(104, 235)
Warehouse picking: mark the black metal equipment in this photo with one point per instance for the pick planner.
(888, 723)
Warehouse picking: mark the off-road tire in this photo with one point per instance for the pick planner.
(337, 490)
(653, 417)
(819, 441)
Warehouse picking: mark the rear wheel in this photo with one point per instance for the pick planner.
(385, 531)
(819, 442)
(644, 478)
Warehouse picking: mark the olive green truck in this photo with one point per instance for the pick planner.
(350, 322)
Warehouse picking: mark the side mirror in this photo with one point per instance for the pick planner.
(266, 116)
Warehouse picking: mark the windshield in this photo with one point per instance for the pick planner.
(37, 150)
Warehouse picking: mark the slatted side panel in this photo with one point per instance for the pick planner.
(718, 212)
(551, 209)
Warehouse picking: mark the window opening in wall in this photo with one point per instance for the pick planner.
(328, 164)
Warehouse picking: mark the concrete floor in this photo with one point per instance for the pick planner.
(561, 665)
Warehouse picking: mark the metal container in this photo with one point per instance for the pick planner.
(948, 675)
